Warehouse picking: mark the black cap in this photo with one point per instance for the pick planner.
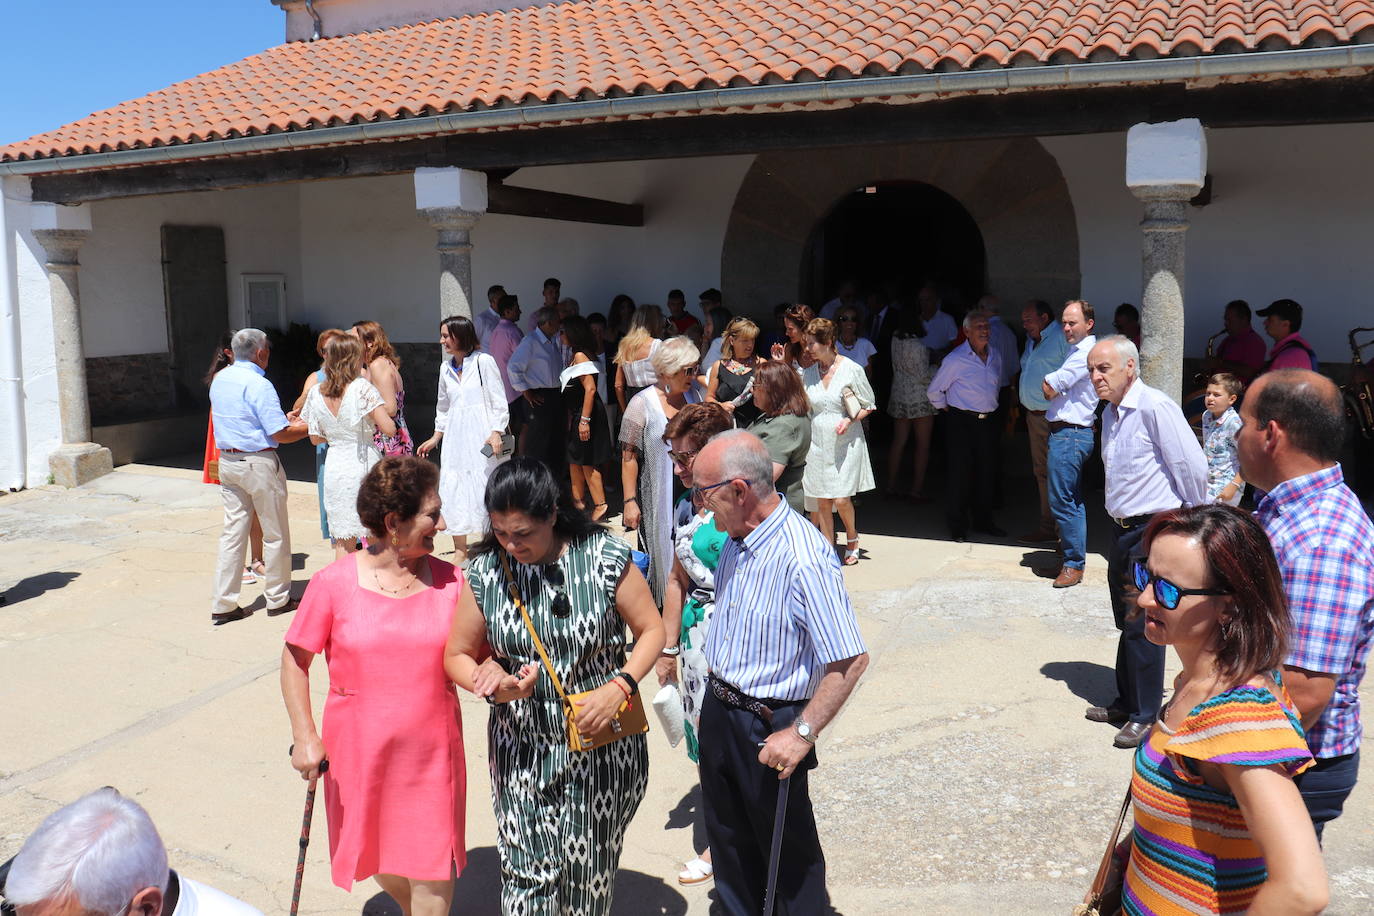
(1286, 309)
(710, 295)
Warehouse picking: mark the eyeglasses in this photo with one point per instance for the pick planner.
(701, 492)
(1167, 593)
(682, 459)
(562, 605)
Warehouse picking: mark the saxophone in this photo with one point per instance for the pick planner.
(1200, 379)
(1358, 392)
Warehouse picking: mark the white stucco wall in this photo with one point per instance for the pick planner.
(344, 17)
(1292, 215)
(123, 306)
(366, 252)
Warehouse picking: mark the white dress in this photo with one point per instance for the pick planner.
(351, 452)
(471, 406)
(836, 466)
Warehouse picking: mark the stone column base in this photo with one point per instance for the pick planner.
(76, 463)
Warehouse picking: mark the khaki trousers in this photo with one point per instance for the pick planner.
(1039, 429)
(252, 483)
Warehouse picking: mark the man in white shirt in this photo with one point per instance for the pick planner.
(940, 327)
(1070, 415)
(965, 388)
(533, 370)
(102, 856)
(486, 321)
(1154, 463)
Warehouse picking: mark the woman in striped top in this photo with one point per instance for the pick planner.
(1219, 824)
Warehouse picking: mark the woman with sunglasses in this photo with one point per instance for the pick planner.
(849, 344)
(1219, 824)
(646, 473)
(561, 815)
(690, 597)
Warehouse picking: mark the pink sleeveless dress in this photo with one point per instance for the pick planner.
(395, 789)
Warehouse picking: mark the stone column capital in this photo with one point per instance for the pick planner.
(1177, 192)
(61, 245)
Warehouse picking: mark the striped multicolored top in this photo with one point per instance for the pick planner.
(1191, 851)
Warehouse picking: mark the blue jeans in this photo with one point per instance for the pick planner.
(1326, 786)
(1069, 449)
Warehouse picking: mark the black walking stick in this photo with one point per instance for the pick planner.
(770, 893)
(305, 834)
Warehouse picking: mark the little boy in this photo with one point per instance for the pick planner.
(1220, 423)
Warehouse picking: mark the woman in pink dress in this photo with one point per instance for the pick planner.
(394, 791)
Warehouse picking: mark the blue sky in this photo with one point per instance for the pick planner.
(63, 61)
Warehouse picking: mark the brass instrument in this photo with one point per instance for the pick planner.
(1200, 380)
(1359, 392)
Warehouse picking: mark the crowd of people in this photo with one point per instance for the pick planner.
(735, 449)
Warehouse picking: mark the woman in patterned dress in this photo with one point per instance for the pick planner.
(1219, 824)
(913, 416)
(561, 815)
(690, 597)
(382, 367)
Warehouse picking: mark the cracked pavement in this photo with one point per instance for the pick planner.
(960, 779)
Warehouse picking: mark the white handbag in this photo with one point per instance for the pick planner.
(668, 705)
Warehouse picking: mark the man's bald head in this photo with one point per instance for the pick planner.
(737, 454)
(1306, 406)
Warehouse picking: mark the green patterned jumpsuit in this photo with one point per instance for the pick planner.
(560, 815)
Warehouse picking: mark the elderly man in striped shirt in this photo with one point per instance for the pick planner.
(785, 652)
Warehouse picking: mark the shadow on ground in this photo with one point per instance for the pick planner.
(1092, 682)
(478, 892)
(34, 586)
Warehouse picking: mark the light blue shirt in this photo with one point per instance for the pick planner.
(782, 613)
(1039, 360)
(245, 408)
(536, 362)
(1151, 455)
(485, 322)
(1077, 401)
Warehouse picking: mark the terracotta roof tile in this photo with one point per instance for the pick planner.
(612, 48)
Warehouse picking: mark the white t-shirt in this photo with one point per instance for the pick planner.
(203, 900)
(861, 352)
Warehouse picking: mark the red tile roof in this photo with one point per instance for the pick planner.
(597, 48)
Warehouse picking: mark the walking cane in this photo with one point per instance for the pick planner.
(770, 895)
(305, 834)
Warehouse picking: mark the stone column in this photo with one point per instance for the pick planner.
(452, 200)
(61, 231)
(1166, 165)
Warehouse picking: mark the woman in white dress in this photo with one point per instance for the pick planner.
(837, 466)
(346, 411)
(634, 367)
(646, 471)
(471, 414)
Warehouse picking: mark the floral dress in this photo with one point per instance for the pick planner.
(399, 444)
(697, 547)
(1219, 446)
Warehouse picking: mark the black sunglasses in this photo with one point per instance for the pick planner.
(562, 605)
(1167, 593)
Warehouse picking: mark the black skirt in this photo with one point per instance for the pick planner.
(598, 449)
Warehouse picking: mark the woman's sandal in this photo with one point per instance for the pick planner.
(698, 871)
(598, 511)
(851, 553)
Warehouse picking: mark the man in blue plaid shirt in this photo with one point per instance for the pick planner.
(1289, 445)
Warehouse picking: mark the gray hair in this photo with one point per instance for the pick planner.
(674, 355)
(1125, 350)
(975, 315)
(572, 305)
(247, 343)
(746, 458)
(544, 315)
(100, 850)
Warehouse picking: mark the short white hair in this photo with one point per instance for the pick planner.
(1125, 350)
(746, 458)
(247, 343)
(100, 850)
(975, 315)
(674, 355)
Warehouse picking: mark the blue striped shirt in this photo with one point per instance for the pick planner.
(782, 613)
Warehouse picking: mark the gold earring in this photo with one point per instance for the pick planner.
(395, 541)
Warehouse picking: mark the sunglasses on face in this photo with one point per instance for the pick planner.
(682, 459)
(1167, 593)
(562, 605)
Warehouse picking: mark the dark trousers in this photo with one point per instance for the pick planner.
(546, 432)
(969, 446)
(1325, 787)
(1139, 662)
(740, 797)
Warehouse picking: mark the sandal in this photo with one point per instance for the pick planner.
(598, 511)
(697, 871)
(254, 572)
(851, 553)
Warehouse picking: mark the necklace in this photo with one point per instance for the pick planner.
(392, 591)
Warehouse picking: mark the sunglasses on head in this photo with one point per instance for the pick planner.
(562, 605)
(1167, 593)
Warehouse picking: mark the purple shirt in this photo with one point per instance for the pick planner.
(1246, 348)
(505, 337)
(1151, 455)
(1292, 352)
(1325, 547)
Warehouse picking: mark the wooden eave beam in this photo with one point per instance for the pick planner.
(516, 201)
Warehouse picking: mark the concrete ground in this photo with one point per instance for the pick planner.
(962, 777)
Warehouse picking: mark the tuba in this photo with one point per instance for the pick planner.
(1358, 393)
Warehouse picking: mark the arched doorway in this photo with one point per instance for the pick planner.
(894, 236)
(1012, 190)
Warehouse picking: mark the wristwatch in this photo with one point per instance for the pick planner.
(804, 729)
(671, 650)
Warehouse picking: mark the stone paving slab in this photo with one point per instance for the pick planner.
(962, 777)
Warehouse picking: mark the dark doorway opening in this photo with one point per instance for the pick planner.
(896, 236)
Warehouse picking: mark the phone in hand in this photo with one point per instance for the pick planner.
(507, 446)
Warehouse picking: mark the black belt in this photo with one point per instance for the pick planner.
(1057, 425)
(1135, 521)
(732, 696)
(239, 451)
(972, 413)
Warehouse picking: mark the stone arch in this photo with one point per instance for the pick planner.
(1012, 188)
